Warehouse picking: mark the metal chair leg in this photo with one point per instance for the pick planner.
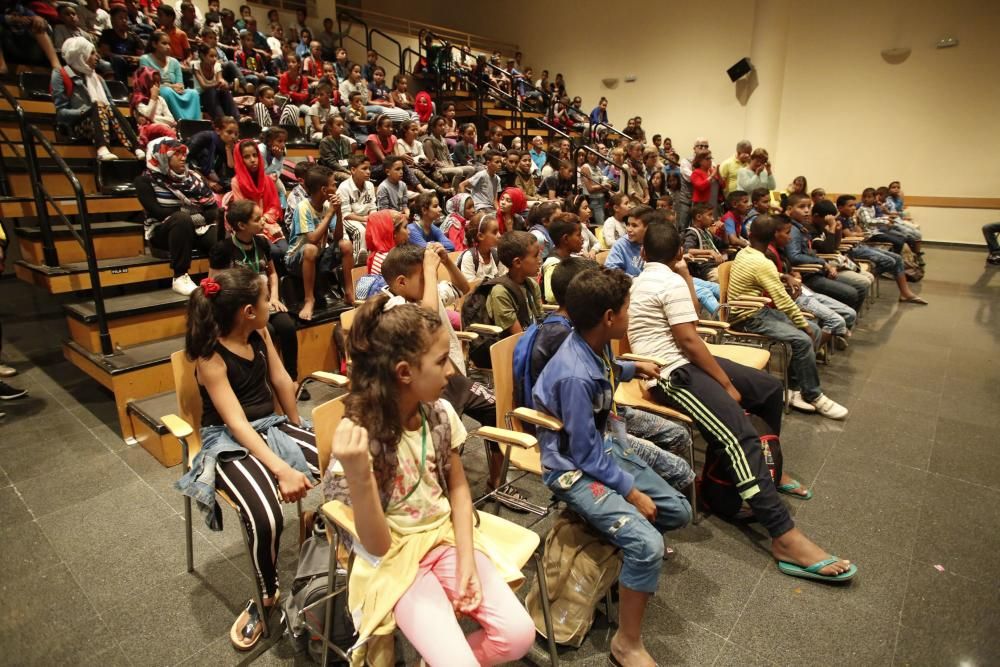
(330, 581)
(187, 534)
(543, 594)
(695, 514)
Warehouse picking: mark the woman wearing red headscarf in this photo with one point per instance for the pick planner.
(512, 204)
(251, 183)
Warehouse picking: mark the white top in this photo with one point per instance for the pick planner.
(660, 299)
(613, 230)
(354, 200)
(485, 271)
(158, 113)
(414, 150)
(447, 295)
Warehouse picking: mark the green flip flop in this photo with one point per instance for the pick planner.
(789, 490)
(812, 572)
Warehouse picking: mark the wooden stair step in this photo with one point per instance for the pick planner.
(112, 240)
(23, 205)
(132, 318)
(73, 276)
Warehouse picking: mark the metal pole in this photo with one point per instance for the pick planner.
(51, 257)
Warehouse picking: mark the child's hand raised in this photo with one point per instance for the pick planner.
(469, 590)
(432, 260)
(350, 447)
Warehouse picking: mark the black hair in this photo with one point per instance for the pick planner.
(652, 216)
(868, 191)
(263, 90)
(540, 214)
(379, 340)
(464, 126)
(356, 160)
(474, 229)
(490, 154)
(272, 134)
(227, 14)
(795, 198)
(661, 243)
(316, 178)
(302, 168)
(513, 244)
(562, 225)
(390, 161)
(205, 49)
(210, 317)
(756, 195)
(117, 9)
(167, 11)
(564, 273)
(239, 213)
(824, 207)
(764, 227)
(735, 196)
(639, 211)
(221, 122)
(402, 260)
(325, 86)
(422, 202)
(592, 293)
(207, 32)
(843, 199)
(699, 209)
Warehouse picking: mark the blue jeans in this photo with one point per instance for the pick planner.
(884, 261)
(775, 324)
(661, 443)
(618, 520)
(708, 295)
(831, 315)
(835, 289)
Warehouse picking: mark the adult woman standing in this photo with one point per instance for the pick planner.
(703, 172)
(184, 103)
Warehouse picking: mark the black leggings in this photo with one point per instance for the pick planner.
(282, 329)
(250, 485)
(177, 235)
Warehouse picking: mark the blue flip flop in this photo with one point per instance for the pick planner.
(788, 489)
(812, 572)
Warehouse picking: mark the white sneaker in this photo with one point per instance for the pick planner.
(7, 371)
(140, 154)
(104, 154)
(183, 285)
(829, 408)
(796, 401)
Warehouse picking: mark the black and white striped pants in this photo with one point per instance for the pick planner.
(250, 485)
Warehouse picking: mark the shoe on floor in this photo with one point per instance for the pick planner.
(829, 408)
(993, 259)
(104, 154)
(9, 393)
(183, 285)
(7, 371)
(304, 395)
(840, 342)
(796, 401)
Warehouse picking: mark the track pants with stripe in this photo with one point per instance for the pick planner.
(729, 433)
(254, 489)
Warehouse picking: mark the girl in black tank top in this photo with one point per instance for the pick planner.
(259, 459)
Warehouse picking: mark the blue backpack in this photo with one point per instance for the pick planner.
(522, 361)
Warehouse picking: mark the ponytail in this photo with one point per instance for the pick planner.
(380, 338)
(213, 306)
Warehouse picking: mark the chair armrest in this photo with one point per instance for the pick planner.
(507, 436)
(633, 394)
(707, 331)
(828, 255)
(714, 324)
(806, 314)
(549, 307)
(332, 379)
(741, 303)
(631, 356)
(177, 426)
(756, 299)
(538, 418)
(342, 516)
(808, 268)
(488, 329)
(466, 336)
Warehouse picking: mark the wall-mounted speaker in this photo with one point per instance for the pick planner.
(739, 70)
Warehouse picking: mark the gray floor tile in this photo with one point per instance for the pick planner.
(972, 407)
(44, 603)
(39, 450)
(26, 551)
(958, 529)
(880, 500)
(948, 620)
(68, 485)
(13, 511)
(671, 640)
(966, 451)
(737, 656)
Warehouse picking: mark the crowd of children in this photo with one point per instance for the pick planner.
(403, 195)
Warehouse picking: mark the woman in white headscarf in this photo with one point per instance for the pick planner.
(83, 101)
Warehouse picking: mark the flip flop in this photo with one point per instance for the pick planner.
(914, 299)
(789, 490)
(812, 572)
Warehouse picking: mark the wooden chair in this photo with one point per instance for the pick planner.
(185, 427)
(518, 545)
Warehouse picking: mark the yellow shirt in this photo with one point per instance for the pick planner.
(427, 507)
(728, 170)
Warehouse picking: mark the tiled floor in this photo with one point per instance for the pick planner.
(92, 536)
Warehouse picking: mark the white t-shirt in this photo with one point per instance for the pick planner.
(485, 270)
(447, 295)
(613, 230)
(355, 200)
(660, 299)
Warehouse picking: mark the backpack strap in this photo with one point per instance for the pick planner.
(521, 305)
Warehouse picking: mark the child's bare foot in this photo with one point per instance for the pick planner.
(794, 547)
(626, 655)
(306, 313)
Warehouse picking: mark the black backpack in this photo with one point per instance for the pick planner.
(474, 312)
(476, 259)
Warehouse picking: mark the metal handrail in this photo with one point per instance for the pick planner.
(351, 18)
(593, 130)
(49, 254)
(406, 53)
(86, 240)
(399, 47)
(573, 146)
(415, 27)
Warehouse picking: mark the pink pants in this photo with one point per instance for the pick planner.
(427, 618)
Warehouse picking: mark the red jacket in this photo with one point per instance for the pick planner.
(296, 91)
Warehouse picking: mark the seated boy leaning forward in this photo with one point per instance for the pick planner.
(661, 443)
(716, 393)
(308, 248)
(590, 464)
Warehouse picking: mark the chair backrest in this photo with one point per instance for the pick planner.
(249, 130)
(188, 396)
(346, 321)
(35, 85)
(187, 128)
(118, 176)
(724, 270)
(602, 256)
(502, 358)
(357, 272)
(119, 91)
(326, 418)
